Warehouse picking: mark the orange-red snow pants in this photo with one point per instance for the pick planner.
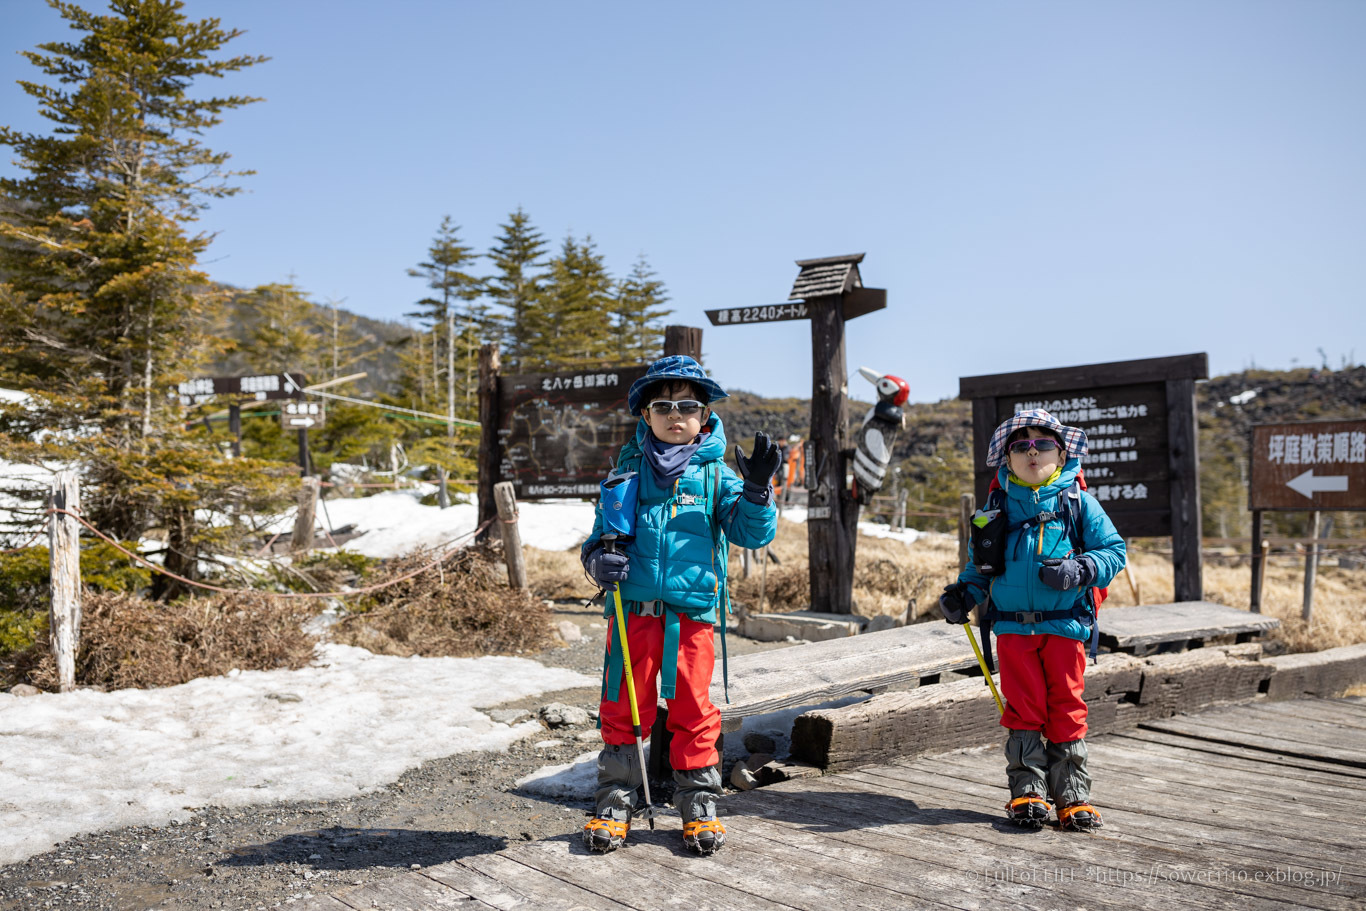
(1041, 680)
(693, 721)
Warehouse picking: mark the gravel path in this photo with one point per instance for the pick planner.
(271, 855)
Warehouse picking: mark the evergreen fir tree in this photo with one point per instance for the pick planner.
(640, 310)
(578, 301)
(104, 308)
(517, 286)
(455, 321)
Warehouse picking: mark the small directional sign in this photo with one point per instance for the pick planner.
(261, 387)
(1309, 465)
(302, 415)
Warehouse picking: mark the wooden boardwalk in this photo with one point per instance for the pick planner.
(1246, 807)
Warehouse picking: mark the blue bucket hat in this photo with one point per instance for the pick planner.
(674, 367)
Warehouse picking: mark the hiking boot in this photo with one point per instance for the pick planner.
(1028, 812)
(603, 834)
(1079, 817)
(704, 836)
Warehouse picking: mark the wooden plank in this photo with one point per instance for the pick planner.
(488, 458)
(1317, 710)
(1324, 674)
(1150, 624)
(928, 863)
(1200, 851)
(821, 671)
(501, 881)
(1212, 729)
(646, 875)
(1270, 757)
(1101, 855)
(1170, 745)
(408, 892)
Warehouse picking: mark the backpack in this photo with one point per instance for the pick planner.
(988, 537)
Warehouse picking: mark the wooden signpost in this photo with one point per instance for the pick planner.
(1139, 418)
(554, 434)
(1303, 466)
(828, 292)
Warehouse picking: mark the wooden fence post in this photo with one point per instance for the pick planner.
(1258, 562)
(306, 517)
(967, 505)
(489, 419)
(1311, 567)
(683, 340)
(64, 554)
(506, 499)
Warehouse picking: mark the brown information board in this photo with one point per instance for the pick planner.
(1313, 465)
(559, 432)
(1139, 417)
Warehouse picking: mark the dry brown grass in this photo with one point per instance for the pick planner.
(127, 641)
(465, 609)
(1339, 595)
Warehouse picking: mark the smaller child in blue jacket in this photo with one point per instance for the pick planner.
(1037, 598)
(672, 577)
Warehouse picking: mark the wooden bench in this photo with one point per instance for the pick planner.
(1150, 628)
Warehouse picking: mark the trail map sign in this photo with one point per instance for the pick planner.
(260, 387)
(1316, 465)
(1139, 418)
(558, 432)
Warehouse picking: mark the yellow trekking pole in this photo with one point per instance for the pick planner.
(982, 663)
(609, 543)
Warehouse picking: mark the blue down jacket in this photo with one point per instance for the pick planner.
(674, 556)
(1019, 587)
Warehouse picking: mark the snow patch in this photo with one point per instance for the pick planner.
(88, 761)
(1243, 398)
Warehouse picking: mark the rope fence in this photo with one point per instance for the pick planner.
(240, 591)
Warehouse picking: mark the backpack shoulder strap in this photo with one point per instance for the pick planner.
(1074, 513)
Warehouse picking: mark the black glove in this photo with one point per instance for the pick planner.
(759, 468)
(1067, 574)
(607, 569)
(954, 605)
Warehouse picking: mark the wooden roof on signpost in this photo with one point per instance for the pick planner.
(826, 277)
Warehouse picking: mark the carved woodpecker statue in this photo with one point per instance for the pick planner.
(878, 433)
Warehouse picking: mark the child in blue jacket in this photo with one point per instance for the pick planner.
(672, 577)
(1036, 593)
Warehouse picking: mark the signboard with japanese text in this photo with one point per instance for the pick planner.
(766, 314)
(302, 415)
(559, 432)
(1314, 465)
(1139, 418)
(1126, 467)
(261, 387)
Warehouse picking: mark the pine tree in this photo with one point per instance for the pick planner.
(104, 308)
(578, 301)
(640, 309)
(517, 286)
(286, 335)
(456, 321)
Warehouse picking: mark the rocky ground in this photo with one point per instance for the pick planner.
(271, 855)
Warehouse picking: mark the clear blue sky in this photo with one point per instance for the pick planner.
(1035, 184)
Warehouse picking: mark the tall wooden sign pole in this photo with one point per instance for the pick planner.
(829, 292)
(832, 513)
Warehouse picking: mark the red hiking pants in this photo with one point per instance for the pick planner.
(693, 721)
(1041, 680)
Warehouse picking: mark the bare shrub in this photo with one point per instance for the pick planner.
(464, 608)
(129, 641)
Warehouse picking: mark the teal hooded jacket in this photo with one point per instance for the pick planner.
(674, 556)
(1019, 588)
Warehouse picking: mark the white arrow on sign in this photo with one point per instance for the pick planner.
(309, 422)
(1308, 485)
